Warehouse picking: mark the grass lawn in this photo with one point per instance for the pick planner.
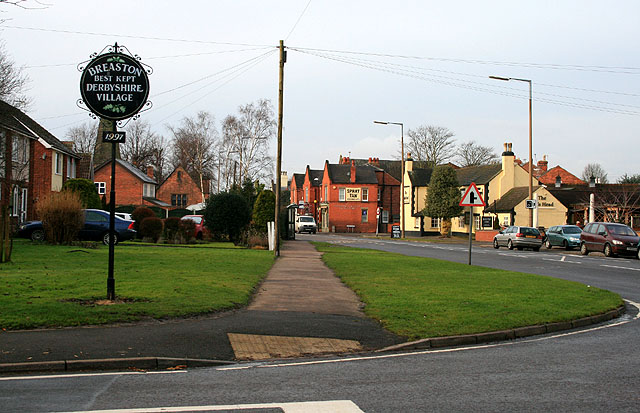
(422, 297)
(47, 286)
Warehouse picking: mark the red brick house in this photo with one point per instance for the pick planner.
(296, 188)
(179, 190)
(311, 192)
(133, 187)
(40, 162)
(554, 176)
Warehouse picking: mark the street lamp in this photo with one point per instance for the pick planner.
(402, 190)
(506, 79)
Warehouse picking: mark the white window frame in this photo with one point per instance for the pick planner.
(58, 163)
(477, 221)
(505, 220)
(326, 193)
(71, 167)
(306, 194)
(148, 190)
(101, 187)
(342, 194)
(416, 224)
(385, 216)
(16, 201)
(435, 221)
(365, 194)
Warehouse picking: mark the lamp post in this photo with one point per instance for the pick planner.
(506, 79)
(402, 189)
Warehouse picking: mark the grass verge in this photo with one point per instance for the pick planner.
(51, 286)
(421, 297)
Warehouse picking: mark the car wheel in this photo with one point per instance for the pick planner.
(565, 245)
(638, 254)
(37, 235)
(199, 236)
(510, 244)
(495, 244)
(583, 249)
(608, 252)
(519, 248)
(536, 249)
(105, 238)
(548, 244)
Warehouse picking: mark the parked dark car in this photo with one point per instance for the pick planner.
(609, 238)
(96, 228)
(565, 236)
(518, 237)
(201, 230)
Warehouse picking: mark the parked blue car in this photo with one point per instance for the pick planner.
(96, 228)
(565, 236)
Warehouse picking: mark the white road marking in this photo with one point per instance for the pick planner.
(619, 267)
(346, 406)
(563, 258)
(447, 350)
(111, 373)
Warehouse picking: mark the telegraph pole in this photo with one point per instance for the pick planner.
(283, 59)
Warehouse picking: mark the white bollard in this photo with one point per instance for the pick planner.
(271, 229)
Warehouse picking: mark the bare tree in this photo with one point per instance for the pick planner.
(139, 144)
(594, 170)
(616, 202)
(246, 140)
(472, 154)
(629, 179)
(159, 156)
(194, 144)
(433, 144)
(13, 81)
(83, 137)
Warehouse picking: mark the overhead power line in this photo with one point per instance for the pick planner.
(298, 21)
(464, 84)
(594, 68)
(165, 39)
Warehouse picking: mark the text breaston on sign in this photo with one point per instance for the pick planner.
(114, 86)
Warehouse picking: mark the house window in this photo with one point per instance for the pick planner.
(71, 167)
(101, 187)
(58, 165)
(326, 193)
(16, 200)
(365, 195)
(365, 215)
(178, 199)
(416, 223)
(505, 220)
(379, 194)
(476, 221)
(341, 195)
(435, 222)
(385, 217)
(149, 190)
(306, 194)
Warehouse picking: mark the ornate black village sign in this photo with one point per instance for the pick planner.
(114, 86)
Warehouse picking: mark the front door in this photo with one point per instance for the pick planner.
(325, 219)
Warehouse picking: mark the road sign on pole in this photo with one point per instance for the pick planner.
(472, 197)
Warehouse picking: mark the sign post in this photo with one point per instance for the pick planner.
(114, 86)
(471, 198)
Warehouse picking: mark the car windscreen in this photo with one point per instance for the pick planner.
(197, 220)
(571, 230)
(621, 230)
(306, 219)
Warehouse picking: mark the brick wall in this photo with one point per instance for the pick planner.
(128, 187)
(179, 182)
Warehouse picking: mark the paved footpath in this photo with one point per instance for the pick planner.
(300, 309)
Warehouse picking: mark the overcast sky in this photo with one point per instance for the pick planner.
(415, 62)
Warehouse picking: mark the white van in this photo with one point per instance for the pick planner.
(306, 223)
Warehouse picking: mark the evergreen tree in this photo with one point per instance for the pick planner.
(227, 213)
(264, 210)
(443, 197)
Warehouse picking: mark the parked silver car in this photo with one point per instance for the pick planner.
(518, 237)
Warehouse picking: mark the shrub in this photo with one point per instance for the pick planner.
(227, 214)
(187, 228)
(151, 227)
(86, 190)
(171, 230)
(138, 215)
(264, 210)
(61, 215)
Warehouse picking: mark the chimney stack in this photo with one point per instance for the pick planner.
(543, 164)
(353, 172)
(150, 172)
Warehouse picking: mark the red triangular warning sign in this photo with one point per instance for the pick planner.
(472, 197)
